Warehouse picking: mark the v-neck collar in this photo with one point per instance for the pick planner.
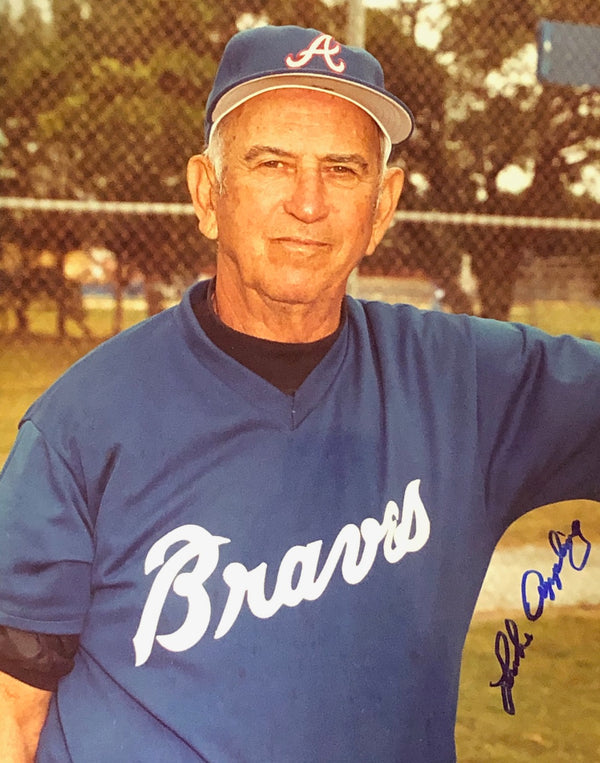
(284, 364)
(286, 411)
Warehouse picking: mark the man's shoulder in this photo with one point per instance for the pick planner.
(407, 318)
(435, 336)
(402, 319)
(121, 366)
(142, 344)
(492, 348)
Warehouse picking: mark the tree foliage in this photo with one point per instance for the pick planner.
(107, 101)
(502, 119)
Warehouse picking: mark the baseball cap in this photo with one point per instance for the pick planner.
(268, 58)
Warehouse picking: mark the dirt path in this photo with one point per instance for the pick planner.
(502, 585)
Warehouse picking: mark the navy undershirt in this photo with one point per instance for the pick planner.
(285, 365)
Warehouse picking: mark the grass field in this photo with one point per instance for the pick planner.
(561, 317)
(557, 690)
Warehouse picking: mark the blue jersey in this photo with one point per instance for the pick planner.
(264, 577)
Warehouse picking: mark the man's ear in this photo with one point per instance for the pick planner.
(202, 184)
(391, 188)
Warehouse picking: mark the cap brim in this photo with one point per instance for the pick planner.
(393, 117)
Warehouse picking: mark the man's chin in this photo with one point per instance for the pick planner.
(299, 292)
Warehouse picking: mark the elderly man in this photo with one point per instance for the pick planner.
(254, 527)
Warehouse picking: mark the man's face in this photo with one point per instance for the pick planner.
(297, 206)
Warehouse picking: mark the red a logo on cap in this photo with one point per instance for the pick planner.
(323, 45)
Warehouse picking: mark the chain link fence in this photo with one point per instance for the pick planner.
(101, 104)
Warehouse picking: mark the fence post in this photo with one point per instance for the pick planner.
(355, 35)
(355, 32)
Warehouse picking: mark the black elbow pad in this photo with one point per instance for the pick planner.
(37, 659)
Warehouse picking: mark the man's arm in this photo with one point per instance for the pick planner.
(23, 710)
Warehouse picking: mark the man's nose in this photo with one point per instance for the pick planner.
(308, 199)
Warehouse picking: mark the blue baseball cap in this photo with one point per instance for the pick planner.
(268, 58)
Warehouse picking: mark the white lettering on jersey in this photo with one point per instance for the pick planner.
(324, 45)
(199, 545)
(355, 549)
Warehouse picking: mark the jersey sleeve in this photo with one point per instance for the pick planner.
(539, 416)
(46, 540)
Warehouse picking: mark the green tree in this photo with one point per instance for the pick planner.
(112, 127)
(107, 101)
(414, 74)
(491, 128)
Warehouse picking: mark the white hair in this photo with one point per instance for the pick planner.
(215, 152)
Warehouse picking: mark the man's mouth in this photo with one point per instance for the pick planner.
(300, 242)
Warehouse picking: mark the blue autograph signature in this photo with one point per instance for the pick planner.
(509, 670)
(562, 549)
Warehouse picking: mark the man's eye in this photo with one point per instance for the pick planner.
(342, 169)
(272, 164)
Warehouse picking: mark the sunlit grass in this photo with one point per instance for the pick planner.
(556, 692)
(561, 317)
